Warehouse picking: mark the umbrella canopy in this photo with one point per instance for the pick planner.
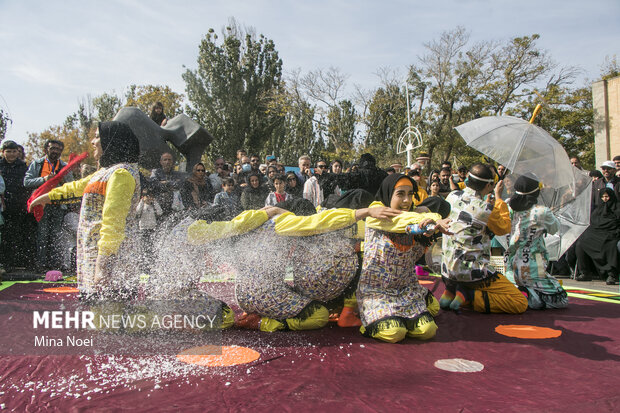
(524, 148)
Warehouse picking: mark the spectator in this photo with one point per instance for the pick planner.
(336, 167)
(293, 185)
(462, 172)
(390, 170)
(272, 171)
(422, 194)
(221, 171)
(228, 198)
(280, 194)
(271, 160)
(448, 165)
(147, 211)
(255, 163)
(22, 153)
(397, 166)
(246, 169)
(313, 191)
(617, 162)
(501, 172)
(281, 169)
(304, 169)
(254, 194)
(576, 162)
(240, 154)
(597, 247)
(445, 175)
(367, 176)
(19, 230)
(165, 182)
(595, 175)
(196, 191)
(157, 114)
(48, 229)
(608, 169)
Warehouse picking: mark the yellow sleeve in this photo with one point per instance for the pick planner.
(201, 232)
(461, 185)
(422, 194)
(399, 223)
(73, 189)
(499, 220)
(119, 192)
(325, 221)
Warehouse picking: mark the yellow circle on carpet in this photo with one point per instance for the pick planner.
(231, 356)
(63, 290)
(525, 331)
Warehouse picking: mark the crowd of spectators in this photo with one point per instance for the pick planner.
(247, 183)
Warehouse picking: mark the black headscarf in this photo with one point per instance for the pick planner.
(261, 188)
(385, 192)
(298, 206)
(119, 144)
(438, 205)
(606, 216)
(353, 199)
(524, 184)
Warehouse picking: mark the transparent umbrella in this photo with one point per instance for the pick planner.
(524, 148)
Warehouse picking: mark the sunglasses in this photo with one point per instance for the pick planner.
(200, 170)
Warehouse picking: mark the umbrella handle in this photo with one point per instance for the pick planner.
(536, 111)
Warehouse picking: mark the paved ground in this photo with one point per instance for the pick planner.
(592, 285)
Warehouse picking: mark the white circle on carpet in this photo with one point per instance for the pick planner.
(459, 365)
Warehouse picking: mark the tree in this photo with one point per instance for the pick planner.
(231, 90)
(145, 96)
(106, 106)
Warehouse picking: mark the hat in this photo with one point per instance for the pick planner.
(608, 164)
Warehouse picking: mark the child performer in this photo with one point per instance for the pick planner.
(280, 194)
(260, 287)
(393, 305)
(108, 197)
(526, 257)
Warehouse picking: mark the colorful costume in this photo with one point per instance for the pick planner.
(324, 264)
(526, 258)
(391, 301)
(108, 198)
(466, 254)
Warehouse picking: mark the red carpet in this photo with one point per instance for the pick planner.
(337, 369)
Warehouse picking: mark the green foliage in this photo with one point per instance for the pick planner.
(230, 92)
(145, 96)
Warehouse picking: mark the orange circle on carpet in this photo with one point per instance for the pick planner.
(426, 282)
(525, 331)
(231, 356)
(63, 290)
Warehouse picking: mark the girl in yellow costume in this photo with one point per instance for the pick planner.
(108, 198)
(260, 288)
(393, 305)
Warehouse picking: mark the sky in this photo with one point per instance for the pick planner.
(54, 54)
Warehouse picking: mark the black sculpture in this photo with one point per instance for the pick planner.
(186, 135)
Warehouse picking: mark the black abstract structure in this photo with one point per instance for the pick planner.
(182, 132)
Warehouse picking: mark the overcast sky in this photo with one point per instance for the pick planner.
(55, 53)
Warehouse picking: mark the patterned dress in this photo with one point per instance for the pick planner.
(91, 217)
(466, 254)
(324, 265)
(526, 257)
(260, 286)
(388, 285)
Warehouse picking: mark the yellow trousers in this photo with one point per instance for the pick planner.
(501, 296)
(318, 318)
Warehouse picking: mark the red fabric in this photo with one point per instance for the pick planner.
(52, 183)
(337, 369)
(280, 197)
